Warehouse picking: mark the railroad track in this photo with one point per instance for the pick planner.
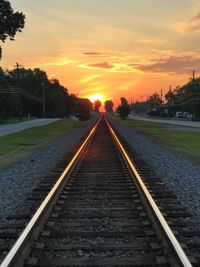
(99, 213)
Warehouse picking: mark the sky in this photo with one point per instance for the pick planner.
(111, 48)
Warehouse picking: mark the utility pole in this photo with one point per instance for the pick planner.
(20, 95)
(17, 68)
(161, 94)
(43, 96)
(193, 75)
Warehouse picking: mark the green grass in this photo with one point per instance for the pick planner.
(186, 142)
(13, 120)
(15, 147)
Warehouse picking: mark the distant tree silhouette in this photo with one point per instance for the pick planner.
(96, 105)
(154, 101)
(108, 105)
(171, 97)
(10, 22)
(83, 108)
(25, 95)
(188, 98)
(124, 108)
(9, 102)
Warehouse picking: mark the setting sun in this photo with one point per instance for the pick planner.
(95, 97)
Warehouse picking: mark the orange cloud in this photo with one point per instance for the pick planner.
(102, 65)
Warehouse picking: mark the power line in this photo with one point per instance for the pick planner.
(183, 103)
(9, 92)
(8, 89)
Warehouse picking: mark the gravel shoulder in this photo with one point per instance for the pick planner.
(179, 173)
(19, 180)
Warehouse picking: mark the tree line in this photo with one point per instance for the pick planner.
(185, 98)
(123, 110)
(27, 92)
(30, 93)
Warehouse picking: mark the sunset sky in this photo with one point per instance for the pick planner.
(110, 47)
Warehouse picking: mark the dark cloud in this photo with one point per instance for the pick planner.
(102, 65)
(100, 54)
(173, 64)
(92, 53)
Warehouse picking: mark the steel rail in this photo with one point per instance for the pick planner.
(17, 249)
(182, 258)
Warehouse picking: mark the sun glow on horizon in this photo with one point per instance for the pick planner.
(95, 97)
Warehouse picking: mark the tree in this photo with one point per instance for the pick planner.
(83, 108)
(139, 107)
(108, 105)
(188, 98)
(124, 108)
(10, 22)
(97, 105)
(24, 95)
(9, 99)
(154, 101)
(170, 97)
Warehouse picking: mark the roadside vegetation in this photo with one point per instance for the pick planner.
(30, 93)
(184, 141)
(124, 109)
(15, 147)
(184, 100)
(14, 120)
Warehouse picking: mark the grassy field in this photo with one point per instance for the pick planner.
(13, 120)
(185, 141)
(15, 147)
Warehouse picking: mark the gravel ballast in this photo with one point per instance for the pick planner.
(18, 181)
(178, 173)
